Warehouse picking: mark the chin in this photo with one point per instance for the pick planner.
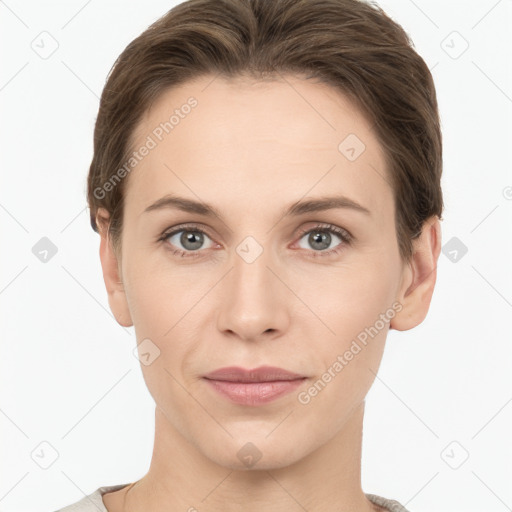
(262, 453)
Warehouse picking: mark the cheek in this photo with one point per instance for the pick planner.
(349, 363)
(347, 299)
(159, 309)
(157, 295)
(355, 306)
(165, 307)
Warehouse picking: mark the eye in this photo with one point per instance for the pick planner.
(321, 237)
(190, 238)
(187, 241)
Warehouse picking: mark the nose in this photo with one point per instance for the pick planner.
(254, 301)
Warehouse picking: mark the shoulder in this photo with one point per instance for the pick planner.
(92, 502)
(386, 504)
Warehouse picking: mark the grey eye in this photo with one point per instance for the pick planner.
(190, 240)
(319, 240)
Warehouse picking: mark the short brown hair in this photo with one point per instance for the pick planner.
(348, 44)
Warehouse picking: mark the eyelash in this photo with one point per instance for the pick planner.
(345, 236)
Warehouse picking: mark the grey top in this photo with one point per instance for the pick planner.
(94, 503)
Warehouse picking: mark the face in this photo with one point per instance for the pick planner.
(311, 291)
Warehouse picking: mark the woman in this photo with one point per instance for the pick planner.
(266, 184)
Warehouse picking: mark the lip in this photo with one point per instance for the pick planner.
(260, 374)
(253, 387)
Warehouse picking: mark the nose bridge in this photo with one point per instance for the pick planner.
(251, 277)
(252, 301)
(251, 263)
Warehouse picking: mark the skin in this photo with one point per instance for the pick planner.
(251, 149)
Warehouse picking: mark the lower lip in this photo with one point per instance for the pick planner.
(254, 393)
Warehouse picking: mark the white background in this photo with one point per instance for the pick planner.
(68, 374)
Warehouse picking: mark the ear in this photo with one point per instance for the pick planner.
(111, 272)
(419, 278)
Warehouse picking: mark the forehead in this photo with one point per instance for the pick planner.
(239, 138)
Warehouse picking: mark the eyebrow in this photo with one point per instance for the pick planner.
(171, 201)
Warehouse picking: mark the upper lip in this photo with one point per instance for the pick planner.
(261, 374)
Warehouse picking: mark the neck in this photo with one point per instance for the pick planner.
(182, 478)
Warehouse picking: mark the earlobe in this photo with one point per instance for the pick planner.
(419, 278)
(111, 273)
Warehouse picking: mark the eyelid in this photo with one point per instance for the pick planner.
(325, 226)
(185, 227)
(198, 227)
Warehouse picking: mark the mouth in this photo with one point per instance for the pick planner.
(261, 374)
(253, 387)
